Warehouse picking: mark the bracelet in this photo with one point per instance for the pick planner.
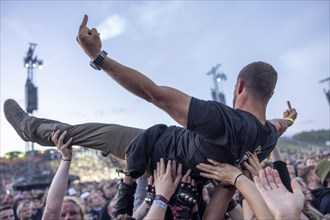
(227, 186)
(231, 205)
(161, 198)
(237, 178)
(289, 119)
(160, 203)
(66, 159)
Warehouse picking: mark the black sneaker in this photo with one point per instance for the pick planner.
(15, 115)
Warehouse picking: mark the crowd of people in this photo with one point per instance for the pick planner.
(212, 166)
(97, 200)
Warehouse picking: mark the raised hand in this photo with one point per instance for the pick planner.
(89, 39)
(290, 114)
(288, 119)
(223, 172)
(253, 165)
(64, 148)
(282, 203)
(164, 183)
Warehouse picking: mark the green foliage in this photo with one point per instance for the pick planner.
(318, 138)
(305, 141)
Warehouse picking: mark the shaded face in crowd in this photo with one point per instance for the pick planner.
(70, 211)
(96, 200)
(291, 171)
(111, 207)
(7, 214)
(310, 162)
(25, 212)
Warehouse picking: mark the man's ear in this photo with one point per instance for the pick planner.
(239, 87)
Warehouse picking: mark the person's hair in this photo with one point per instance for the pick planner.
(110, 184)
(77, 202)
(5, 207)
(21, 206)
(305, 172)
(260, 79)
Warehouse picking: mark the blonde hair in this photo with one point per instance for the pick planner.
(78, 203)
(21, 206)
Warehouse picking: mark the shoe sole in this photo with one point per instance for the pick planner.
(7, 107)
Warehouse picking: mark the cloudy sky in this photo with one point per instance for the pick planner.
(175, 44)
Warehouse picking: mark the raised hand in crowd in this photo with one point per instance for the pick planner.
(225, 173)
(252, 164)
(229, 174)
(221, 202)
(184, 201)
(58, 186)
(64, 148)
(143, 209)
(165, 186)
(125, 199)
(289, 116)
(282, 203)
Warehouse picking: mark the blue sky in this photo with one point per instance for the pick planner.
(175, 44)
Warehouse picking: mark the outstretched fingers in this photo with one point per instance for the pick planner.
(270, 178)
(289, 105)
(296, 188)
(83, 23)
(290, 112)
(210, 176)
(215, 163)
(55, 136)
(185, 178)
(257, 181)
(206, 167)
(264, 181)
(168, 167)
(278, 180)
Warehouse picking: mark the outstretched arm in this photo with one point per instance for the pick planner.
(217, 207)
(282, 124)
(58, 186)
(172, 101)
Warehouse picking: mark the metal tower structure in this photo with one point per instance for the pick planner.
(217, 94)
(31, 62)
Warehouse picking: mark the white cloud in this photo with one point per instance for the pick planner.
(113, 26)
(158, 19)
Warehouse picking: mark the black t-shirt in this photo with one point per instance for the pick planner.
(214, 131)
(321, 200)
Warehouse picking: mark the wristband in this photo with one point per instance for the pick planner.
(237, 178)
(160, 204)
(289, 119)
(96, 64)
(231, 205)
(66, 159)
(161, 198)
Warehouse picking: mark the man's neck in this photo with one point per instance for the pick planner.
(255, 108)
